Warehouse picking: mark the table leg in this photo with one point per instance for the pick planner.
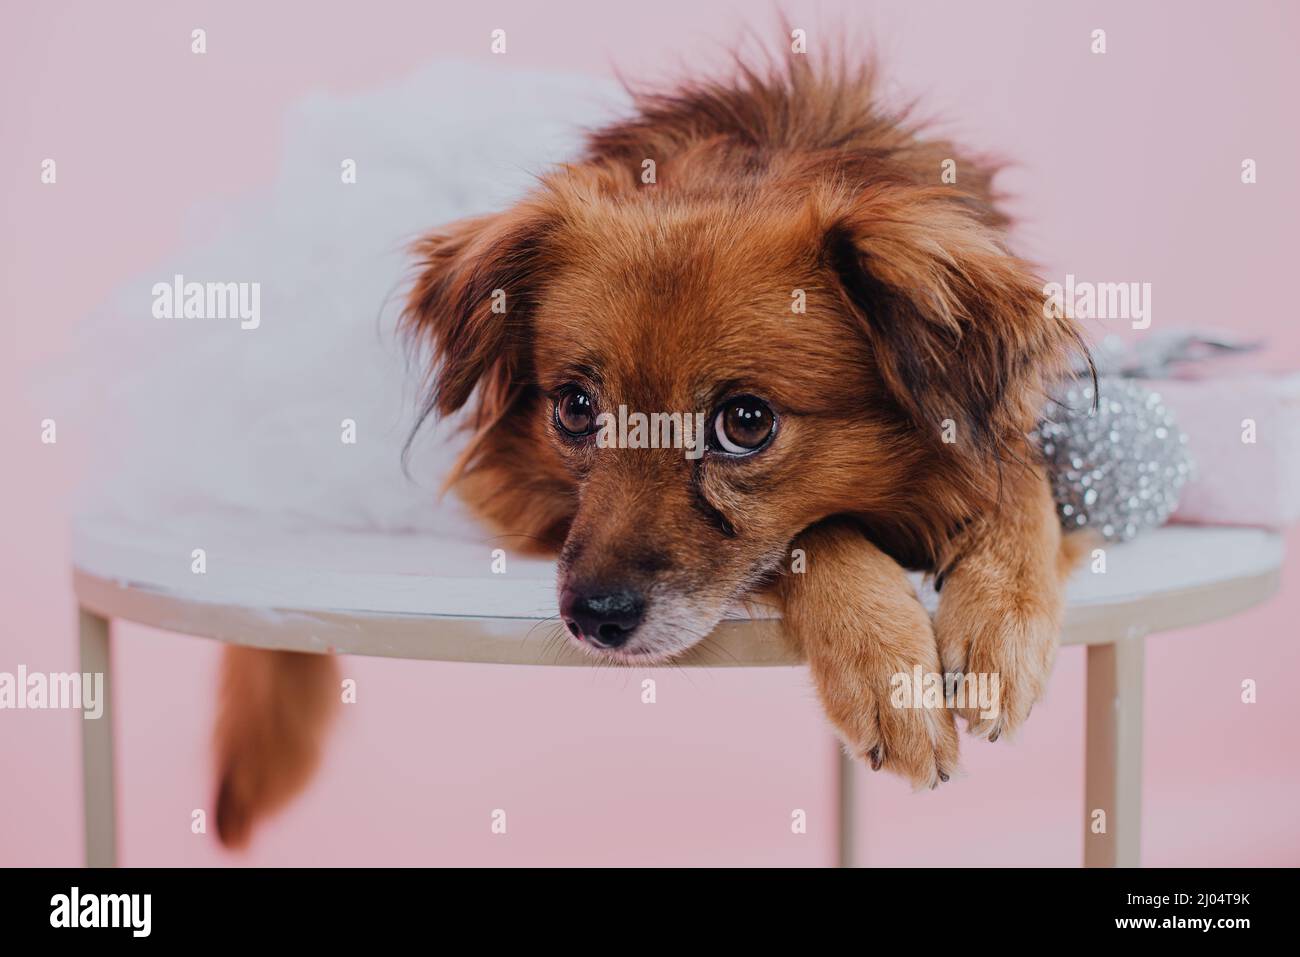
(847, 809)
(1113, 772)
(97, 749)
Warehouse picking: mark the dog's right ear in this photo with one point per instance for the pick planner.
(468, 310)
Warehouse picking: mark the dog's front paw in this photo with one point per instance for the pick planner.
(996, 668)
(868, 640)
(884, 720)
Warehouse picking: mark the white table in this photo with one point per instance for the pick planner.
(436, 598)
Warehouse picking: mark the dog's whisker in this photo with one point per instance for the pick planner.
(903, 346)
(549, 619)
(524, 535)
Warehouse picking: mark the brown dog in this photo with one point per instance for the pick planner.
(865, 357)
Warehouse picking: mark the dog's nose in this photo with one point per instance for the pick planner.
(605, 619)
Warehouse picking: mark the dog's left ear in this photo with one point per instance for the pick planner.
(956, 324)
(469, 309)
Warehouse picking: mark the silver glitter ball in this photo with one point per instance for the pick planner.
(1118, 469)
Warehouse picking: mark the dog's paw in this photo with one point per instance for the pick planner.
(995, 670)
(868, 639)
(914, 738)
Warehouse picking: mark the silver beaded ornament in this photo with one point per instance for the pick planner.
(1118, 469)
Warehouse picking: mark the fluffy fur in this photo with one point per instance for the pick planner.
(671, 295)
(276, 707)
(676, 295)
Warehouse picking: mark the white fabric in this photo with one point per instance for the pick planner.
(198, 415)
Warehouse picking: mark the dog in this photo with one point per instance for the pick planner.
(828, 291)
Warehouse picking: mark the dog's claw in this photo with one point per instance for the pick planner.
(943, 776)
(997, 732)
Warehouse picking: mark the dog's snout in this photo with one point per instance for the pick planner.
(604, 618)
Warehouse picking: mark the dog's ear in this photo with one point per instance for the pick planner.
(468, 310)
(956, 324)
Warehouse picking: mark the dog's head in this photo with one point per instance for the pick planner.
(865, 348)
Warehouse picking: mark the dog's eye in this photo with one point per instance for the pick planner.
(575, 413)
(743, 425)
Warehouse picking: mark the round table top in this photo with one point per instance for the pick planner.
(456, 596)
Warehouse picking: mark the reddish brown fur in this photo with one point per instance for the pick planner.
(800, 180)
(275, 710)
(918, 316)
(668, 297)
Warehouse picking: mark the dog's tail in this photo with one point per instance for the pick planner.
(275, 709)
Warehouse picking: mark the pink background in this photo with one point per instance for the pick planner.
(1129, 170)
